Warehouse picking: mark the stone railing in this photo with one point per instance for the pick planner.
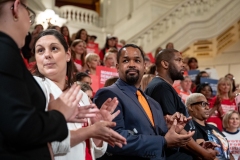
(193, 13)
(79, 15)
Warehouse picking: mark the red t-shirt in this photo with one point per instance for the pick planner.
(101, 55)
(226, 105)
(215, 118)
(78, 61)
(78, 64)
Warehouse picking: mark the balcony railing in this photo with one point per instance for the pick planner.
(79, 15)
(174, 21)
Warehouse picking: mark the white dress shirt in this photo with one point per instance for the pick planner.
(62, 150)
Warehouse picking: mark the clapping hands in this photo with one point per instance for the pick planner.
(106, 111)
(181, 121)
(176, 123)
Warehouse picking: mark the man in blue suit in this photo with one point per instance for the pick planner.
(146, 132)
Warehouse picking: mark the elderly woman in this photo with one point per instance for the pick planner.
(110, 58)
(198, 108)
(231, 124)
(54, 69)
(92, 60)
(214, 104)
(25, 126)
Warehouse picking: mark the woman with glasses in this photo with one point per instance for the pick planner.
(214, 104)
(24, 124)
(198, 108)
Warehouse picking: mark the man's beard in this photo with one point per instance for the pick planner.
(174, 74)
(132, 79)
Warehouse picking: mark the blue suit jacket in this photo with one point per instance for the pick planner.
(144, 141)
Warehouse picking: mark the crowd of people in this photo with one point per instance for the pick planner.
(149, 111)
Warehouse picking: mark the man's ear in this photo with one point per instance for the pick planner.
(15, 9)
(164, 64)
(117, 67)
(190, 108)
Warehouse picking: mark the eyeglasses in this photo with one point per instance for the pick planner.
(31, 13)
(203, 104)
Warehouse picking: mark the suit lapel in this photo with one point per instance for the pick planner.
(153, 109)
(132, 95)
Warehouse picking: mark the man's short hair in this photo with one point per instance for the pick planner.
(129, 45)
(165, 54)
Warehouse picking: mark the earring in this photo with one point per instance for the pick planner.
(15, 18)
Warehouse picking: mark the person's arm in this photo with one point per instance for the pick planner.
(99, 150)
(216, 106)
(61, 147)
(23, 121)
(100, 130)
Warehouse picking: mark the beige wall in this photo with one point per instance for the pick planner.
(226, 62)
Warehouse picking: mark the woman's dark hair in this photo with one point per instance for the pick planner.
(110, 81)
(81, 75)
(78, 35)
(152, 69)
(192, 59)
(169, 43)
(53, 27)
(74, 43)
(198, 77)
(106, 46)
(70, 65)
(200, 87)
(37, 26)
(157, 51)
(68, 37)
